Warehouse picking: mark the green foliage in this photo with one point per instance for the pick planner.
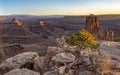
(82, 39)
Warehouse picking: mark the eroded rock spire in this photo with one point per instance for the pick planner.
(92, 23)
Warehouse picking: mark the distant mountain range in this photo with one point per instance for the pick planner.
(35, 16)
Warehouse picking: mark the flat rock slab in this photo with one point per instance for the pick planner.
(64, 57)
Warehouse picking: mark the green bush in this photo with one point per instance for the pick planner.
(82, 39)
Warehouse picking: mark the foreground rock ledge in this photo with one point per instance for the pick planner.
(17, 61)
(111, 50)
(22, 72)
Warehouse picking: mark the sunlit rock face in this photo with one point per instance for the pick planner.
(42, 23)
(16, 21)
(92, 23)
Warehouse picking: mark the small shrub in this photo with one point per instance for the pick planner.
(104, 65)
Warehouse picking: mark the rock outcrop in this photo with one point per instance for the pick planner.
(109, 35)
(17, 61)
(22, 72)
(16, 21)
(42, 23)
(92, 23)
(106, 34)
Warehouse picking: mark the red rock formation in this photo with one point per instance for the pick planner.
(92, 23)
(112, 36)
(42, 23)
(106, 34)
(16, 21)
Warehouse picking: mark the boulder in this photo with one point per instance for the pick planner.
(22, 72)
(64, 58)
(43, 64)
(17, 61)
(53, 50)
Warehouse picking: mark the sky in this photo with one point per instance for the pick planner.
(59, 7)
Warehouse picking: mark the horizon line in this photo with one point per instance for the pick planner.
(57, 14)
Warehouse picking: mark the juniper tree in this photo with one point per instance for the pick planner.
(82, 39)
